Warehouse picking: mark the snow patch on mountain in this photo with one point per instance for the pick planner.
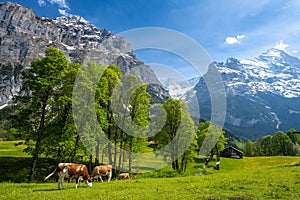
(262, 94)
(3, 106)
(274, 71)
(178, 87)
(276, 119)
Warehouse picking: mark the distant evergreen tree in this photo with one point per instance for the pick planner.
(266, 145)
(249, 149)
(282, 144)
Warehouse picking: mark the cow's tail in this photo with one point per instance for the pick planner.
(50, 174)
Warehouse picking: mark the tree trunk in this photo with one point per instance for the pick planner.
(109, 153)
(38, 141)
(59, 153)
(115, 150)
(91, 164)
(62, 125)
(97, 154)
(172, 155)
(120, 151)
(102, 160)
(173, 165)
(182, 162)
(75, 147)
(122, 169)
(33, 165)
(109, 119)
(109, 146)
(130, 155)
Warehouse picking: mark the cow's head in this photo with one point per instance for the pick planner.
(89, 181)
(65, 170)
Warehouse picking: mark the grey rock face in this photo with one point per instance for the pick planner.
(24, 37)
(262, 94)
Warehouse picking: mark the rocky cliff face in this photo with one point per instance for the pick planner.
(263, 94)
(24, 37)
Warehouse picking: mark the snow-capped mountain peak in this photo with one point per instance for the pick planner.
(263, 93)
(273, 52)
(178, 87)
(273, 71)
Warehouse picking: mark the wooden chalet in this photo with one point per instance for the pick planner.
(152, 144)
(232, 152)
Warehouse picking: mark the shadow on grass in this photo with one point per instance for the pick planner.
(46, 190)
(55, 189)
(16, 169)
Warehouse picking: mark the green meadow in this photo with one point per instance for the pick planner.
(12, 149)
(247, 178)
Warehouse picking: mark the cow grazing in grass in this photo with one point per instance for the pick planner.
(68, 170)
(123, 176)
(217, 167)
(102, 170)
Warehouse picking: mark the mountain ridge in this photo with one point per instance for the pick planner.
(24, 36)
(263, 94)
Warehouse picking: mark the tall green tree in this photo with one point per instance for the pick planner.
(43, 81)
(282, 144)
(107, 83)
(249, 149)
(257, 146)
(177, 134)
(87, 112)
(266, 145)
(63, 142)
(131, 103)
(295, 138)
(139, 104)
(211, 139)
(188, 138)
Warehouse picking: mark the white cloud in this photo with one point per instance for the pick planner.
(60, 3)
(234, 40)
(294, 51)
(281, 46)
(63, 12)
(41, 2)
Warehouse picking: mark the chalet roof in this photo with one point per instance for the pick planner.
(298, 131)
(231, 147)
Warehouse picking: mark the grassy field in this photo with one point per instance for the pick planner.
(12, 149)
(247, 178)
(268, 183)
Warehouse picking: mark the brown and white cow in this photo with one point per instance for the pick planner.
(68, 170)
(123, 176)
(102, 170)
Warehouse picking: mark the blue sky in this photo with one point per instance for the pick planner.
(224, 28)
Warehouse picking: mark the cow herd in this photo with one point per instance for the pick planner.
(80, 172)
